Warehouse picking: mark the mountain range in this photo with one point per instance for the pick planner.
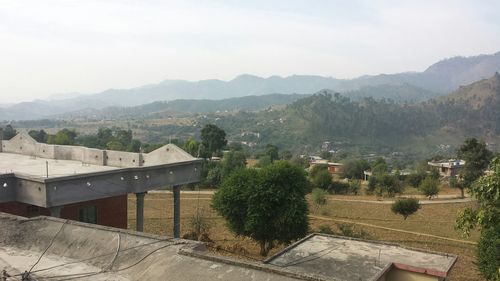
(438, 79)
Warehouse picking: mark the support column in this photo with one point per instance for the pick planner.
(139, 211)
(177, 211)
(55, 211)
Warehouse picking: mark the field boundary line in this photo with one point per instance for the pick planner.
(394, 229)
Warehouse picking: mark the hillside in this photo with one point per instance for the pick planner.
(438, 79)
(162, 109)
(377, 125)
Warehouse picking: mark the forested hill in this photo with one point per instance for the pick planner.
(163, 109)
(472, 110)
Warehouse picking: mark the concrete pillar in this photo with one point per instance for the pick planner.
(139, 211)
(177, 211)
(55, 211)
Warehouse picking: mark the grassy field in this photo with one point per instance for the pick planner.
(373, 221)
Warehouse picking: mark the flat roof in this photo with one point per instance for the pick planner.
(93, 252)
(341, 258)
(36, 166)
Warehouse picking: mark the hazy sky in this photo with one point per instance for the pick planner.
(49, 47)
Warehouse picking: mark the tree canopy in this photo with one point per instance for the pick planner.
(477, 157)
(267, 205)
(487, 216)
(213, 139)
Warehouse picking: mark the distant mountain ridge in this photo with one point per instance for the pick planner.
(438, 79)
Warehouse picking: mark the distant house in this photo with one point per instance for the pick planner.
(367, 174)
(448, 168)
(335, 168)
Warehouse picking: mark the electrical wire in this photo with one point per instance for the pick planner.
(88, 274)
(99, 256)
(47, 248)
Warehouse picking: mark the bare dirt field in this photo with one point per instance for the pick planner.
(431, 228)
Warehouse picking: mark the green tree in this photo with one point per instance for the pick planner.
(385, 184)
(9, 132)
(115, 145)
(487, 217)
(322, 179)
(477, 157)
(63, 137)
(264, 160)
(405, 207)
(233, 160)
(272, 151)
(429, 187)
(39, 136)
(192, 147)
(379, 166)
(354, 168)
(134, 146)
(267, 205)
(213, 139)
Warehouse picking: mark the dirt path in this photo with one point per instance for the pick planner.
(392, 229)
(423, 202)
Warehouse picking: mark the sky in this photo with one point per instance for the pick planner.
(56, 47)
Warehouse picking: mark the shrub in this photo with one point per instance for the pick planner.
(322, 179)
(405, 207)
(488, 253)
(339, 187)
(355, 186)
(325, 229)
(318, 197)
(429, 187)
(349, 231)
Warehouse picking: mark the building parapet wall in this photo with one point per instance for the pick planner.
(24, 144)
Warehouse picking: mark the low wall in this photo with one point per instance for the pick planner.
(123, 159)
(66, 152)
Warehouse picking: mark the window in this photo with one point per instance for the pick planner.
(88, 214)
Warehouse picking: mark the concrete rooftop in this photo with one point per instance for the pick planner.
(37, 167)
(341, 258)
(92, 252)
(78, 174)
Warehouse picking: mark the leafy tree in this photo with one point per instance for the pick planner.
(429, 187)
(39, 136)
(9, 132)
(487, 217)
(405, 207)
(233, 160)
(488, 253)
(134, 146)
(63, 137)
(213, 139)
(267, 205)
(264, 160)
(322, 179)
(354, 168)
(379, 166)
(477, 157)
(385, 184)
(115, 145)
(272, 151)
(192, 147)
(317, 168)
